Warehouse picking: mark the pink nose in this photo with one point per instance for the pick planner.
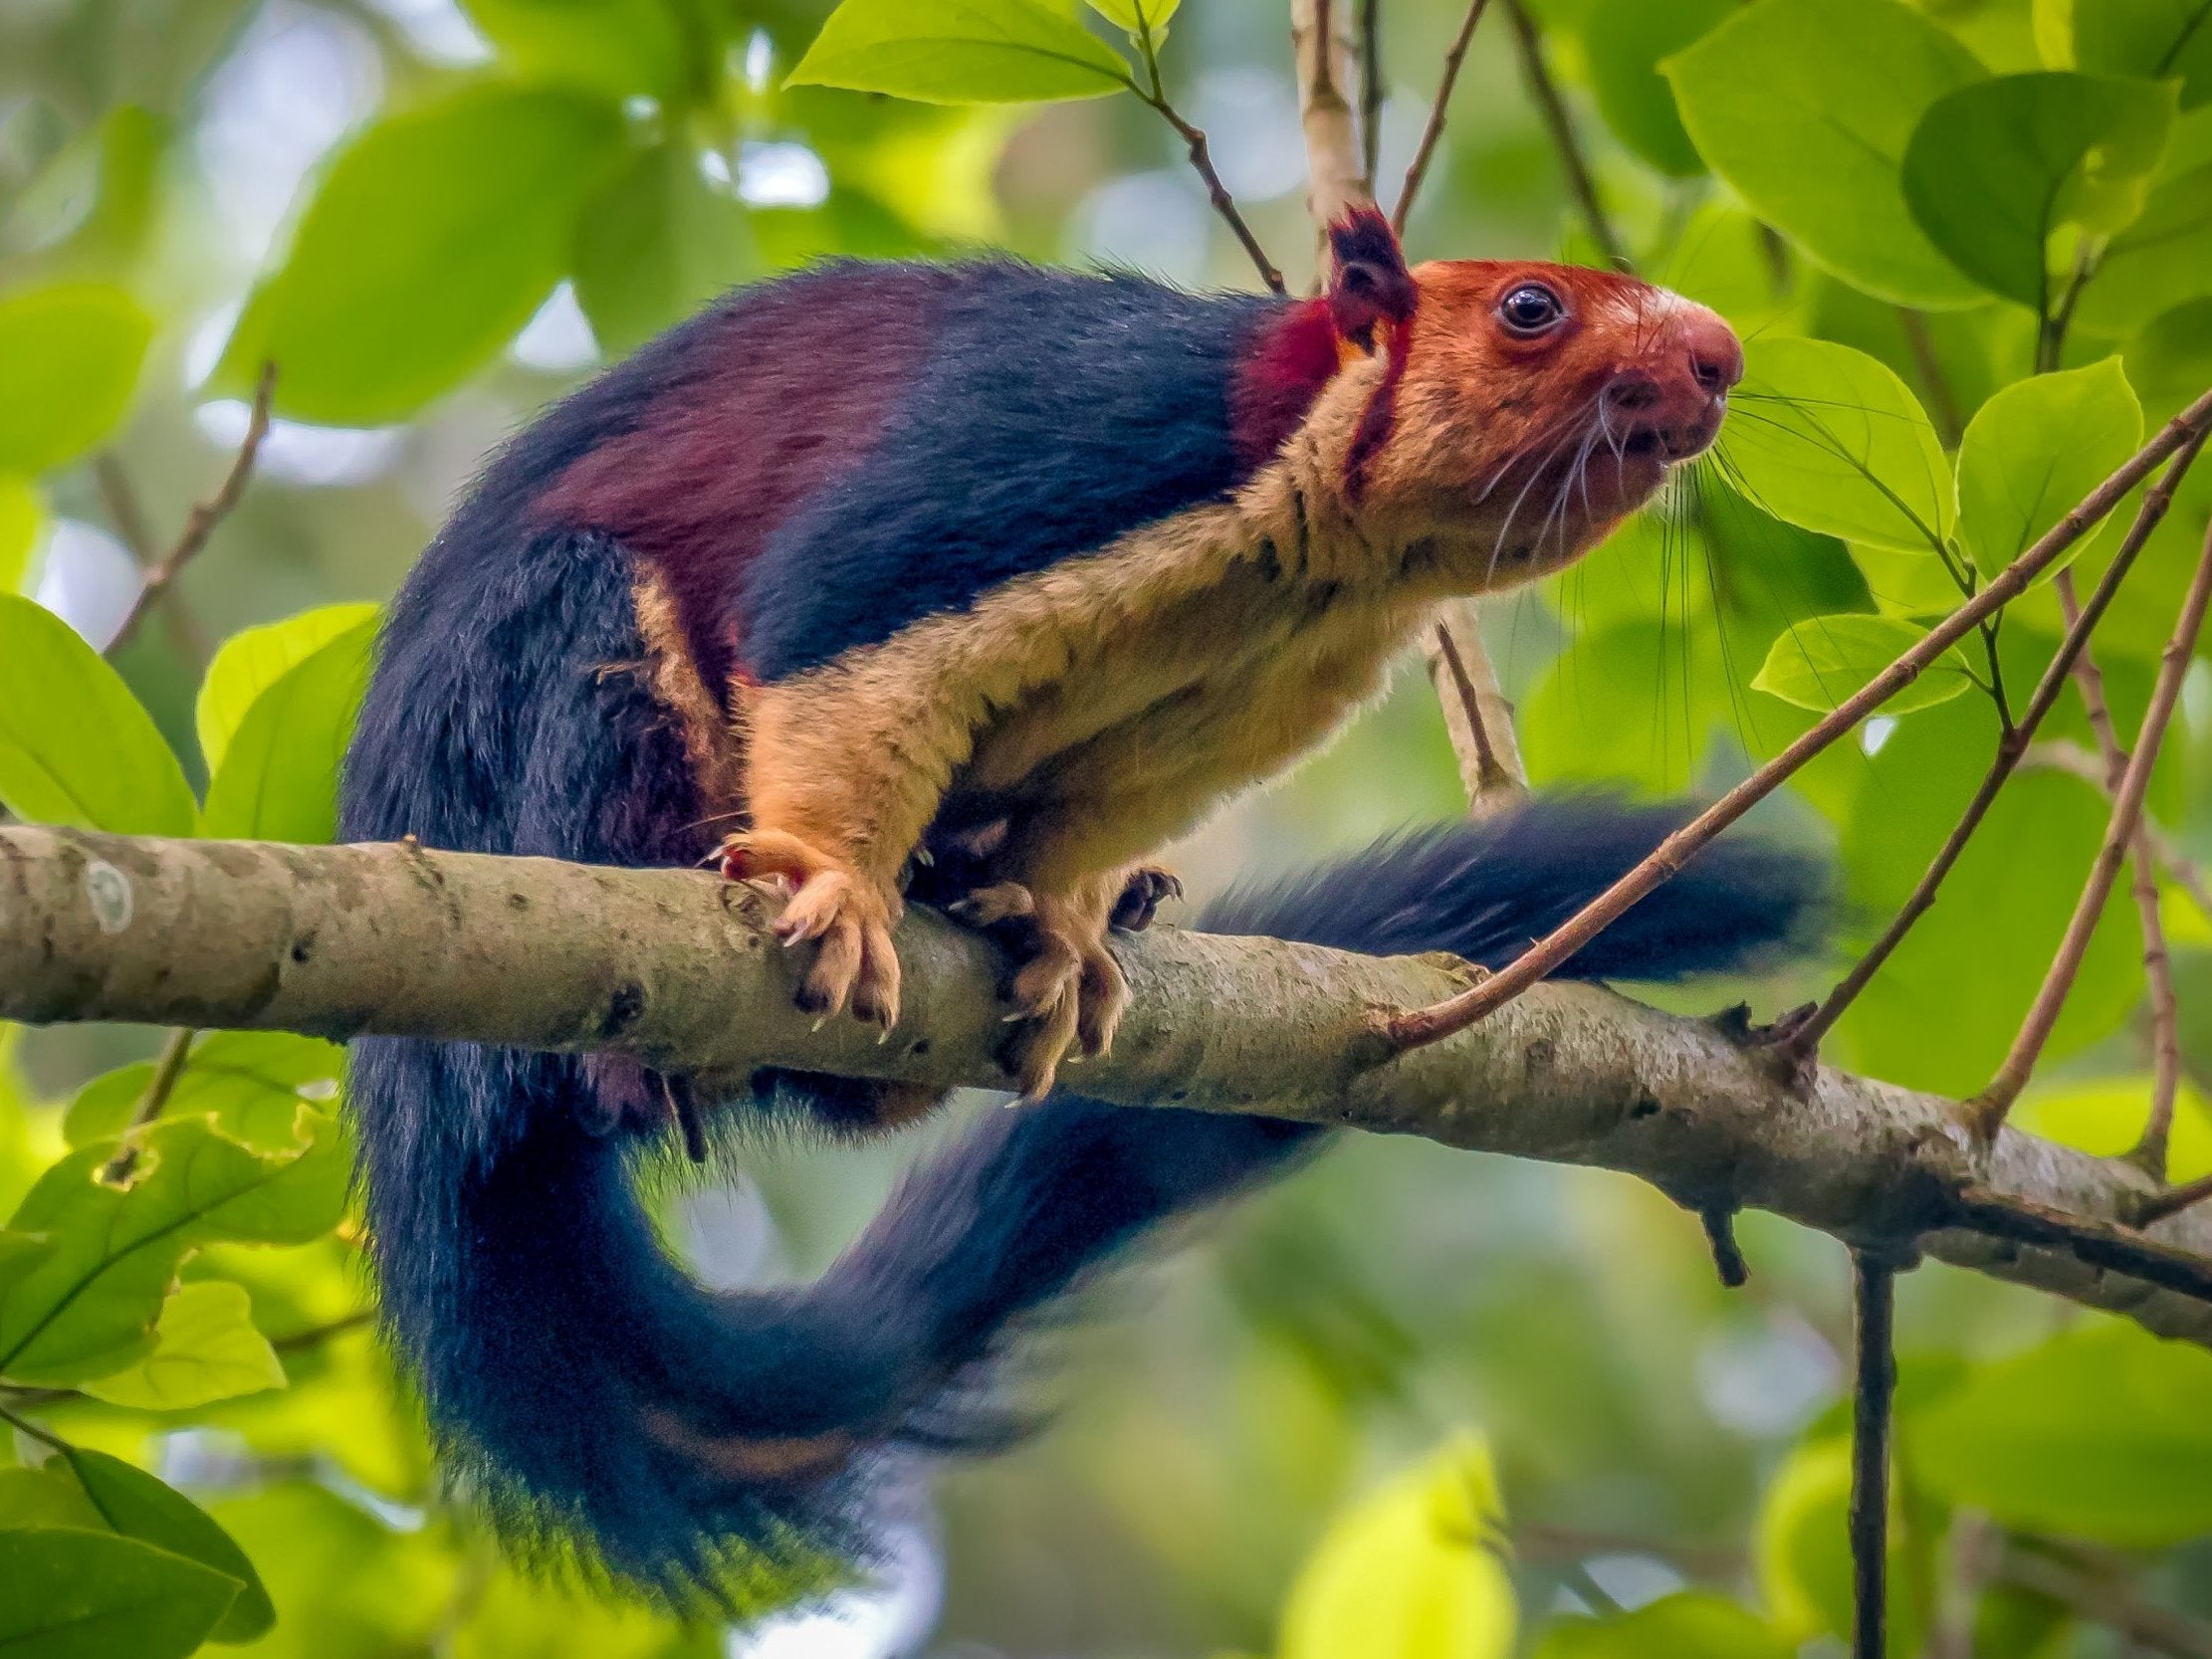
(1710, 347)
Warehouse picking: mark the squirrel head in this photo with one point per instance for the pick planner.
(1521, 407)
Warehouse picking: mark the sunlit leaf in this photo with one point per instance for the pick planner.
(101, 1594)
(2106, 1117)
(2159, 38)
(435, 236)
(278, 780)
(2099, 1434)
(1688, 1623)
(1828, 438)
(1623, 40)
(1818, 663)
(140, 1505)
(69, 358)
(89, 1263)
(2034, 451)
(2162, 260)
(961, 51)
(1805, 106)
(76, 747)
(1137, 16)
(254, 659)
(1996, 167)
(206, 1347)
(1411, 1571)
(250, 1082)
(21, 514)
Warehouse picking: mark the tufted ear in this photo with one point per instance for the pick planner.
(1371, 284)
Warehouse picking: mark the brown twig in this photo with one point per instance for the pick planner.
(1371, 92)
(2173, 1200)
(1425, 1025)
(201, 523)
(1560, 126)
(1719, 1224)
(1418, 170)
(2062, 755)
(1491, 780)
(175, 1053)
(1875, 1286)
(1987, 1110)
(2165, 1009)
(2099, 1244)
(2012, 749)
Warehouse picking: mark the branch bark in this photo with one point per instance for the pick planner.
(679, 969)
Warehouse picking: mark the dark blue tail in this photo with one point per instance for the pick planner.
(606, 1407)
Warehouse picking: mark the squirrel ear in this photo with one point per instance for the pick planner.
(1371, 284)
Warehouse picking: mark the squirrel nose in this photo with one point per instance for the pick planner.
(1716, 354)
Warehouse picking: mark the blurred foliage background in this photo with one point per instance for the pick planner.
(1492, 1408)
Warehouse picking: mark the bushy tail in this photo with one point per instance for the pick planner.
(603, 1404)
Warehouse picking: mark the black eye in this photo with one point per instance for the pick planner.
(1530, 310)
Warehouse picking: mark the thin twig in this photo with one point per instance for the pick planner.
(1418, 170)
(1371, 92)
(201, 523)
(166, 1073)
(315, 1336)
(2012, 749)
(2165, 1009)
(1987, 1110)
(1875, 1285)
(2062, 755)
(126, 515)
(1426, 1025)
(1560, 126)
(1719, 1224)
(2101, 1244)
(2173, 1200)
(1218, 193)
(1494, 778)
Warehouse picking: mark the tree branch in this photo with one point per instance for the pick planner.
(679, 969)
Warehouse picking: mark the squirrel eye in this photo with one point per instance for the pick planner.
(1530, 310)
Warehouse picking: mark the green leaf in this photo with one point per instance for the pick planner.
(2034, 451)
(102, 1596)
(88, 1263)
(206, 1347)
(278, 780)
(435, 236)
(21, 517)
(69, 358)
(250, 1082)
(616, 47)
(1996, 167)
(1830, 439)
(251, 661)
(2163, 258)
(1411, 1571)
(1806, 107)
(2105, 1119)
(1137, 17)
(76, 747)
(1688, 1623)
(46, 1497)
(1623, 42)
(655, 245)
(1818, 663)
(961, 51)
(140, 1505)
(2099, 1433)
(2153, 38)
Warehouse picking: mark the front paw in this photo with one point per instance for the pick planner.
(855, 964)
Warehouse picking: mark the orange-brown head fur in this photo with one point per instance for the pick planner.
(1522, 409)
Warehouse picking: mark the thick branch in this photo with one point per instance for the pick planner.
(679, 969)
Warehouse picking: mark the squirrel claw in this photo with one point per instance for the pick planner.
(1140, 897)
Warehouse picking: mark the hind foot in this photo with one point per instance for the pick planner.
(855, 964)
(1070, 993)
(1142, 894)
